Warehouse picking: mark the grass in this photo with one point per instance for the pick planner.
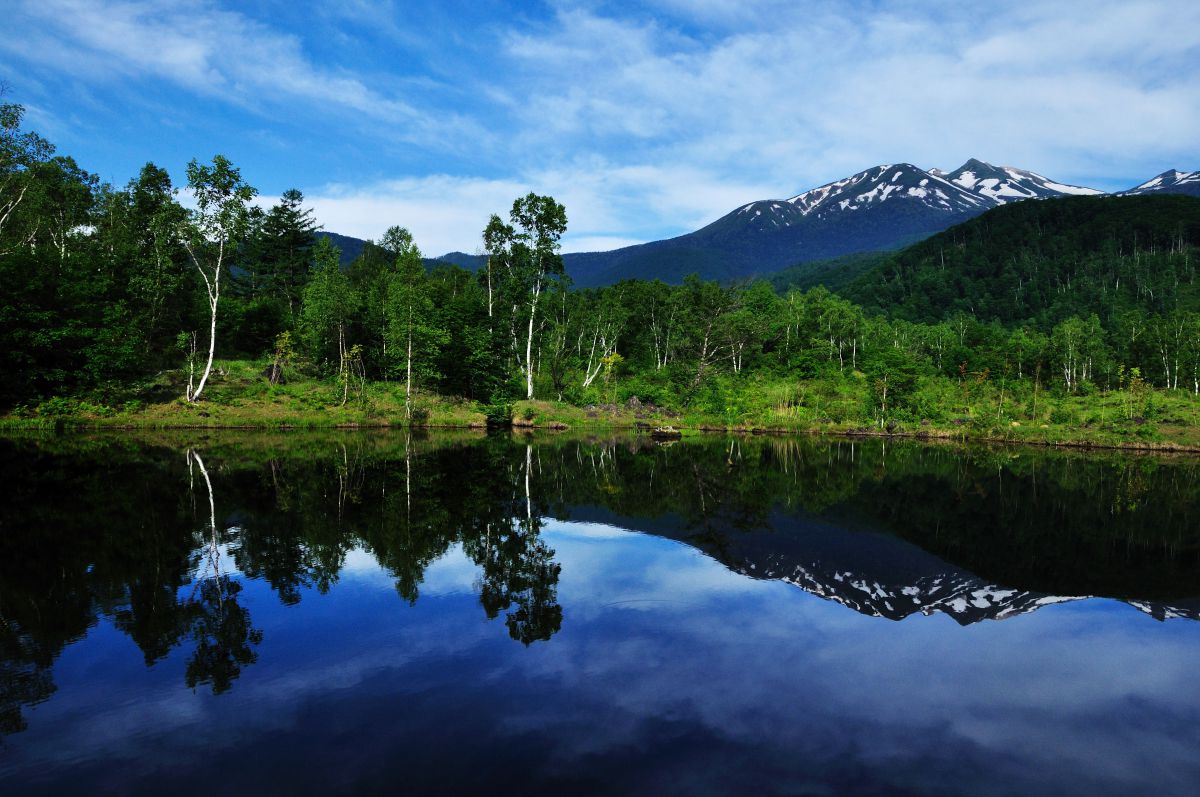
(238, 397)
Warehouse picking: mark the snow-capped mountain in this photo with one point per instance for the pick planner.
(1171, 181)
(882, 208)
(1004, 184)
(958, 594)
(864, 191)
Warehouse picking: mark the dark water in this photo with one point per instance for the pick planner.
(298, 614)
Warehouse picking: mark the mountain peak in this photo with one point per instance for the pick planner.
(880, 184)
(976, 165)
(1171, 181)
(1003, 184)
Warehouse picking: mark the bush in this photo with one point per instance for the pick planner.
(498, 414)
(59, 406)
(1063, 416)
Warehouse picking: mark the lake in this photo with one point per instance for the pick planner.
(351, 613)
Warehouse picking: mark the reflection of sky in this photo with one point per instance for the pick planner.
(670, 675)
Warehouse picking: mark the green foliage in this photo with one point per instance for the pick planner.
(329, 305)
(1042, 262)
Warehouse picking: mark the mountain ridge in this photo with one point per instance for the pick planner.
(882, 208)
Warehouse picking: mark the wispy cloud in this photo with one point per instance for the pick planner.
(646, 120)
(1093, 91)
(211, 52)
(608, 206)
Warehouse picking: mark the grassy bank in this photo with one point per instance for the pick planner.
(239, 397)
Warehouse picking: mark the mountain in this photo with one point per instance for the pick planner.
(350, 247)
(1004, 184)
(462, 259)
(1171, 181)
(882, 208)
(873, 572)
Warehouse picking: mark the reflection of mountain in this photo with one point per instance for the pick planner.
(873, 573)
(966, 598)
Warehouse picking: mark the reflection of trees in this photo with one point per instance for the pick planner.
(518, 573)
(216, 623)
(155, 557)
(221, 630)
(24, 676)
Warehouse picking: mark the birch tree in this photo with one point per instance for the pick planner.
(214, 230)
(409, 313)
(21, 153)
(528, 249)
(329, 304)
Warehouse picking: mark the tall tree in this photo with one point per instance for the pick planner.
(411, 326)
(529, 249)
(284, 248)
(329, 304)
(216, 227)
(21, 152)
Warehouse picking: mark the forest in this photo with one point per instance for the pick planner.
(171, 302)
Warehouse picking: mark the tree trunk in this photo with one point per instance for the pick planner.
(214, 295)
(408, 379)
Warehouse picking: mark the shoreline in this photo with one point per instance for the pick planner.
(639, 426)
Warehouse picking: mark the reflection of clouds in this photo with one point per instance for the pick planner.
(670, 674)
(597, 572)
(563, 529)
(452, 573)
(1090, 691)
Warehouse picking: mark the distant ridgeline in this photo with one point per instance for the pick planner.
(832, 227)
(1021, 262)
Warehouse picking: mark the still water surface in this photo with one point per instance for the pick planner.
(325, 614)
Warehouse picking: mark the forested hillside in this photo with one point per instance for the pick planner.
(1041, 262)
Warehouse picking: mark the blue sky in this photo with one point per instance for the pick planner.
(645, 119)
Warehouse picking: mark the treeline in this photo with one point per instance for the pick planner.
(106, 287)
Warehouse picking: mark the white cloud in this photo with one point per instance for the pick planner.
(1077, 91)
(443, 213)
(212, 52)
(651, 123)
(447, 213)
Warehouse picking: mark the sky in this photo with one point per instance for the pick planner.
(645, 119)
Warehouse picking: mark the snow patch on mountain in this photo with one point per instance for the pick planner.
(1168, 181)
(963, 596)
(972, 188)
(1003, 184)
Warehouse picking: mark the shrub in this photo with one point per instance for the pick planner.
(498, 414)
(1063, 416)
